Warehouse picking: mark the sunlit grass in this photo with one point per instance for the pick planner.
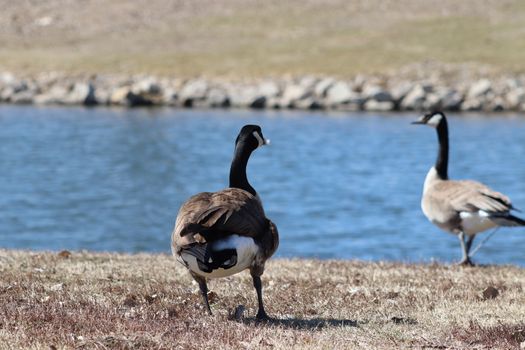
(121, 301)
(274, 38)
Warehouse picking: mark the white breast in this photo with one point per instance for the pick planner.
(475, 222)
(246, 252)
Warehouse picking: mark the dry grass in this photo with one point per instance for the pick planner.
(115, 301)
(255, 38)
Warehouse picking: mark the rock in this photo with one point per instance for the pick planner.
(339, 93)
(103, 95)
(471, 104)
(147, 86)
(444, 99)
(374, 92)
(269, 89)
(515, 98)
(451, 101)
(415, 99)
(496, 104)
(7, 78)
(490, 293)
(258, 103)
(81, 94)
(145, 92)
(124, 96)
(217, 98)
(247, 96)
(400, 90)
(293, 93)
(23, 97)
(193, 91)
(56, 95)
(119, 95)
(309, 103)
(479, 88)
(379, 106)
(170, 97)
(321, 87)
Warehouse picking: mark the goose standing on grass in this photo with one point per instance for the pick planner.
(222, 233)
(464, 208)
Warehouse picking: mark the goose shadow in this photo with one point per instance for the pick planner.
(301, 323)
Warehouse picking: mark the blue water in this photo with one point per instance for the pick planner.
(337, 185)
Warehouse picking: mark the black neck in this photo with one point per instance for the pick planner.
(238, 177)
(442, 159)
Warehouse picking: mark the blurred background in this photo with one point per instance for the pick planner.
(344, 174)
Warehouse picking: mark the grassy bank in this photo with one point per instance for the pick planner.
(253, 38)
(106, 301)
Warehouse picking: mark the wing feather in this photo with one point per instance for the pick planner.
(471, 196)
(214, 215)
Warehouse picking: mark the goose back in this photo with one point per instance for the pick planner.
(207, 217)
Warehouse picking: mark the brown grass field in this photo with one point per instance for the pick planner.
(116, 301)
(253, 38)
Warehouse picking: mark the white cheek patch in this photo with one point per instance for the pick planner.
(259, 138)
(434, 121)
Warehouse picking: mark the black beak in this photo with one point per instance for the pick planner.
(420, 121)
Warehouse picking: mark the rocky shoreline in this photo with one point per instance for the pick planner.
(361, 93)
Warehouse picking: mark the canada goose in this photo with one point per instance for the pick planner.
(466, 207)
(222, 233)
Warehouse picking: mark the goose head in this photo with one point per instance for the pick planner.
(432, 119)
(251, 137)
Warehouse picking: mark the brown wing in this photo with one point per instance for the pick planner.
(470, 196)
(230, 211)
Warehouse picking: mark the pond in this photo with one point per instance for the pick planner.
(338, 185)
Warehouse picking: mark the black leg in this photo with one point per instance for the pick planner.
(465, 247)
(470, 240)
(261, 314)
(204, 290)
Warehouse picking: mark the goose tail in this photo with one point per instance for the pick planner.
(508, 220)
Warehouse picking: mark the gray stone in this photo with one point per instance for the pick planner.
(56, 95)
(258, 103)
(496, 104)
(243, 96)
(515, 98)
(340, 93)
(81, 94)
(479, 88)
(379, 106)
(322, 86)
(119, 95)
(309, 103)
(7, 78)
(415, 99)
(399, 90)
(269, 89)
(293, 93)
(218, 98)
(193, 91)
(443, 98)
(170, 97)
(23, 97)
(147, 87)
(451, 100)
(471, 104)
(377, 93)
(103, 95)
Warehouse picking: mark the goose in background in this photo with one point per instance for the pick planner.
(466, 207)
(223, 233)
